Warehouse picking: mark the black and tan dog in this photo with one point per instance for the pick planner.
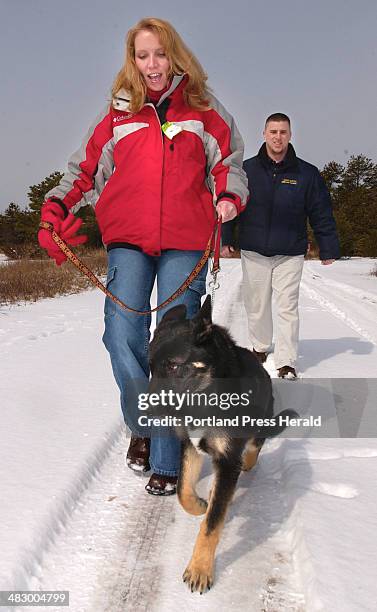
(197, 360)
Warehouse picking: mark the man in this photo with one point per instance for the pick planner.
(285, 192)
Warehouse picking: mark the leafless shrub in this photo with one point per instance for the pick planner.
(31, 280)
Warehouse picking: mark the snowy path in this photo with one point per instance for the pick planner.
(59, 421)
(356, 307)
(300, 532)
(125, 551)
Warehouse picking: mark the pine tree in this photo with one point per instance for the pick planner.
(359, 172)
(332, 174)
(13, 232)
(37, 193)
(19, 228)
(355, 204)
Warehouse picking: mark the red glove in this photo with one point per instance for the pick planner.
(66, 228)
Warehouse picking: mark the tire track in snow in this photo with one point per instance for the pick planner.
(31, 561)
(349, 299)
(108, 556)
(124, 550)
(363, 294)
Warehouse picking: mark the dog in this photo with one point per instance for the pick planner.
(198, 359)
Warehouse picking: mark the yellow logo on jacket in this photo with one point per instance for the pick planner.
(286, 181)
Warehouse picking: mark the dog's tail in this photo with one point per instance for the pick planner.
(278, 424)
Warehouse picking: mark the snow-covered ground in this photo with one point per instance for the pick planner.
(301, 532)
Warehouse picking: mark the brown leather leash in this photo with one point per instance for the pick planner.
(215, 234)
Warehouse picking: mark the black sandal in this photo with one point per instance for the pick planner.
(160, 484)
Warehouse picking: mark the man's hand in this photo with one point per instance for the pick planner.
(227, 251)
(327, 262)
(226, 210)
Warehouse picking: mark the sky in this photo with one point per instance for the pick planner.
(315, 61)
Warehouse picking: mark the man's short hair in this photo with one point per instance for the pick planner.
(278, 117)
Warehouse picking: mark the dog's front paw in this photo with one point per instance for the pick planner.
(198, 577)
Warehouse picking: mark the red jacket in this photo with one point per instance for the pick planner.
(151, 191)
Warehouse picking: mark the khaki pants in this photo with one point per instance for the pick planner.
(263, 276)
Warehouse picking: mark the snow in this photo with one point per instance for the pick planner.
(3, 259)
(56, 429)
(301, 531)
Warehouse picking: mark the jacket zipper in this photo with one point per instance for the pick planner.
(163, 159)
(274, 174)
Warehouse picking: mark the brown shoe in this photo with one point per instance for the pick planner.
(287, 372)
(137, 457)
(161, 485)
(260, 356)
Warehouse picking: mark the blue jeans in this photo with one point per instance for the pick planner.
(131, 276)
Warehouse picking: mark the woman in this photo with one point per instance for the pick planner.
(157, 164)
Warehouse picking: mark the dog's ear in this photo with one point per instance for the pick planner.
(177, 313)
(203, 321)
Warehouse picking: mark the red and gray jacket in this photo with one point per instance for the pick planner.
(150, 191)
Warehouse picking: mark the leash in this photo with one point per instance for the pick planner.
(214, 284)
(216, 233)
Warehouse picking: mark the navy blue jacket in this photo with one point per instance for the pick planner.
(283, 196)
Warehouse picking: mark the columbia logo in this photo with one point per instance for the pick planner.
(289, 181)
(122, 117)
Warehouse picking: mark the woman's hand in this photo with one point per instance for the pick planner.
(226, 210)
(65, 228)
